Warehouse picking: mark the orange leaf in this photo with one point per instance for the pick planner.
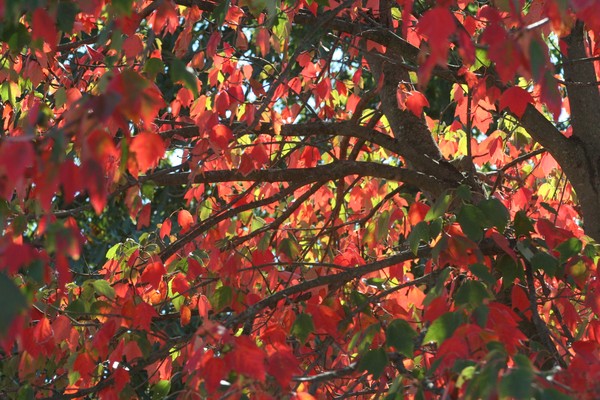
(185, 220)
(417, 212)
(148, 149)
(185, 315)
(165, 229)
(42, 331)
(219, 136)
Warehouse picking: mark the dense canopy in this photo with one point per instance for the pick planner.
(301, 199)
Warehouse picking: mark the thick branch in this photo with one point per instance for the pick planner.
(345, 128)
(584, 100)
(331, 171)
(546, 134)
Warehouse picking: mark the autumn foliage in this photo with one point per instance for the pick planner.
(302, 199)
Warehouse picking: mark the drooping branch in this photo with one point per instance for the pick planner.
(487, 247)
(341, 277)
(215, 219)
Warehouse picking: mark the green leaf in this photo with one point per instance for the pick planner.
(111, 254)
(509, 270)
(123, 7)
(161, 389)
(522, 223)
(471, 293)
(418, 234)
(553, 394)
(220, 11)
(103, 288)
(481, 59)
(546, 262)
(464, 193)
(180, 73)
(26, 392)
(537, 57)
(374, 362)
(65, 16)
(517, 383)
(367, 338)
(495, 214)
(483, 273)
(480, 314)
(470, 219)
(290, 248)
(383, 225)
(222, 298)
(549, 208)
(439, 208)
(465, 375)
(438, 289)
(303, 326)
(442, 328)
(401, 335)
(12, 300)
(569, 248)
(153, 67)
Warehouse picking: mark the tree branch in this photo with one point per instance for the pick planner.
(584, 100)
(335, 170)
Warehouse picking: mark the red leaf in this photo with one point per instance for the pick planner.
(220, 136)
(165, 229)
(143, 315)
(516, 100)
(147, 149)
(185, 220)
(246, 358)
(133, 46)
(144, 216)
(417, 212)
(246, 164)
(213, 372)
(42, 332)
(310, 156)
(15, 256)
(121, 378)
(222, 102)
(213, 42)
(323, 88)
(85, 365)
(416, 102)
(179, 284)
(194, 269)
(282, 365)
(437, 25)
(15, 158)
(153, 273)
(43, 27)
